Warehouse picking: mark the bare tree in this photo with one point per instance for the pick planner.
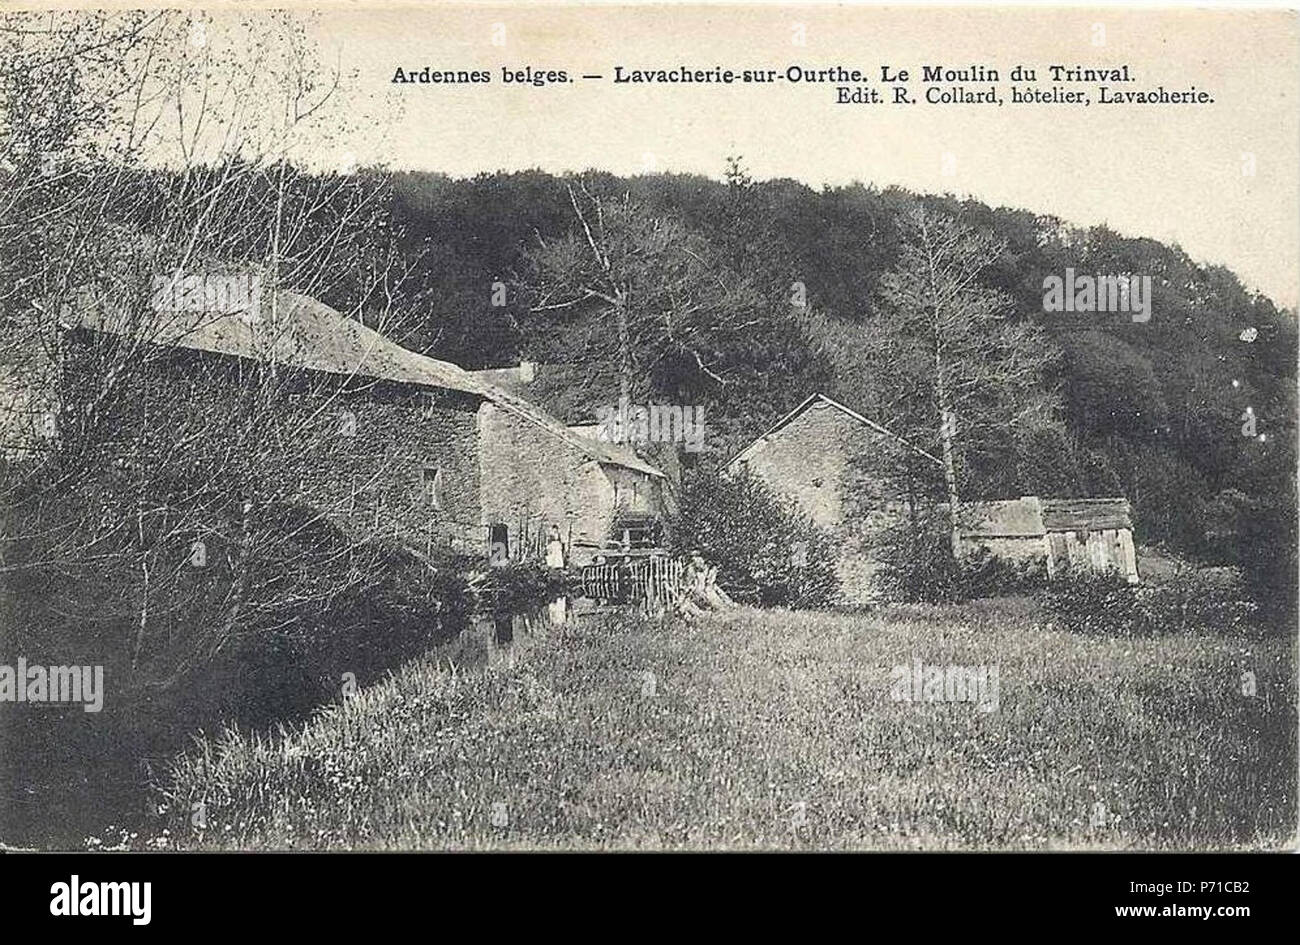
(142, 149)
(641, 292)
(947, 351)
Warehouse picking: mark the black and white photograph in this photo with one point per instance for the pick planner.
(567, 427)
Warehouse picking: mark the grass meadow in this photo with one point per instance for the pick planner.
(768, 729)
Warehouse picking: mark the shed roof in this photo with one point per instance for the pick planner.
(1072, 514)
(1002, 518)
(305, 333)
(1033, 517)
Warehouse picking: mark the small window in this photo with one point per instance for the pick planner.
(498, 545)
(431, 482)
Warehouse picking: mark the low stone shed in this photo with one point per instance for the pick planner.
(1069, 535)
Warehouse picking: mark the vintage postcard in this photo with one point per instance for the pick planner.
(647, 426)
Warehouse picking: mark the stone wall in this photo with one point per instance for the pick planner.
(1019, 550)
(28, 408)
(430, 468)
(828, 462)
(838, 471)
(532, 479)
(806, 460)
(367, 453)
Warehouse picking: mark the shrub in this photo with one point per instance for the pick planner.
(1266, 550)
(1095, 605)
(291, 657)
(318, 605)
(918, 565)
(1104, 605)
(916, 559)
(1188, 601)
(986, 575)
(766, 549)
(519, 587)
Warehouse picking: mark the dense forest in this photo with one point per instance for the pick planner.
(757, 293)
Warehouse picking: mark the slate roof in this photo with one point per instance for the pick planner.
(1034, 517)
(571, 392)
(1094, 514)
(1002, 518)
(305, 333)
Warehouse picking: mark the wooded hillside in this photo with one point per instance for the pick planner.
(1154, 410)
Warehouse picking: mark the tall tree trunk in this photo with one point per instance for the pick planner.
(142, 625)
(947, 430)
(624, 351)
(947, 419)
(275, 272)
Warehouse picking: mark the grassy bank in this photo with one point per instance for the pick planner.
(772, 729)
